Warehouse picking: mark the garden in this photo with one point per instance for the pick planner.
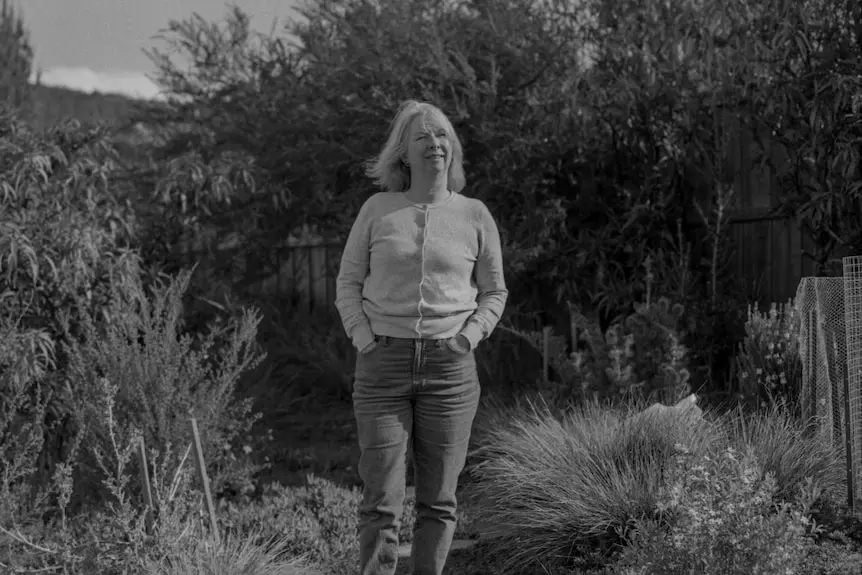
(601, 137)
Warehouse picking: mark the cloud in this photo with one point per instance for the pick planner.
(128, 83)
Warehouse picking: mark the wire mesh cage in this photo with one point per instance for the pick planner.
(830, 346)
(853, 376)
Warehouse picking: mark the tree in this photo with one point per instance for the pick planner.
(16, 57)
(592, 130)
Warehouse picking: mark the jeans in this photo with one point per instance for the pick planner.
(419, 389)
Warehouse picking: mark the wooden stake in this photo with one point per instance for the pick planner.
(848, 440)
(573, 327)
(145, 485)
(546, 337)
(205, 482)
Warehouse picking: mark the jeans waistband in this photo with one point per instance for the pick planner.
(388, 339)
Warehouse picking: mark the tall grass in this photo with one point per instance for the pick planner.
(237, 554)
(792, 451)
(579, 482)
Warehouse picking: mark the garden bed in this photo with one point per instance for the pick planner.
(837, 549)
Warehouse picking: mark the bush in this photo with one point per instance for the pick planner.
(559, 487)
(64, 238)
(25, 358)
(158, 377)
(317, 521)
(309, 351)
(129, 377)
(642, 356)
(768, 360)
(639, 357)
(718, 517)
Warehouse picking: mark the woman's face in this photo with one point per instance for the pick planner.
(429, 147)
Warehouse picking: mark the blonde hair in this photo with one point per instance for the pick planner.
(388, 169)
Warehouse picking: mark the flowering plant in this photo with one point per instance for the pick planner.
(718, 516)
(770, 368)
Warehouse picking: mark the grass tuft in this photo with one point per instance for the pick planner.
(562, 486)
(237, 554)
(791, 451)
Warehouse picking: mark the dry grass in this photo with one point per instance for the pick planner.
(237, 554)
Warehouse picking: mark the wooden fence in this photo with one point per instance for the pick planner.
(769, 256)
(767, 250)
(307, 273)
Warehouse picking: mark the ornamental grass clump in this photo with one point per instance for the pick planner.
(790, 450)
(572, 486)
(237, 554)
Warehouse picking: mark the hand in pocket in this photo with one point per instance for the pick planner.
(458, 344)
(369, 348)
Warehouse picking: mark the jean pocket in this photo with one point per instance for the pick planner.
(379, 341)
(450, 346)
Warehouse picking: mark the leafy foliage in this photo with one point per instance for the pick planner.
(93, 360)
(158, 377)
(574, 137)
(640, 357)
(602, 137)
(317, 520)
(811, 108)
(722, 520)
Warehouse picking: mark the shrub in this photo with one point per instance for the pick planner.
(769, 364)
(308, 351)
(40, 534)
(721, 520)
(157, 378)
(25, 357)
(639, 357)
(317, 521)
(562, 486)
(789, 450)
(64, 237)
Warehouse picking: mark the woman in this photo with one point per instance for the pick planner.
(420, 285)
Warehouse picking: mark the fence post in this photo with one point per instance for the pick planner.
(546, 336)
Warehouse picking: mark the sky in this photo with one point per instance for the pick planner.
(98, 44)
